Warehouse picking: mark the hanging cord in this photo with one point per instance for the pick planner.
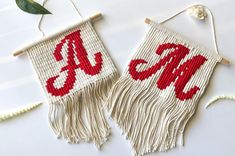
(199, 12)
(75, 7)
(42, 16)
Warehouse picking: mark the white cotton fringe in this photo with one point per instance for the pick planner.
(79, 117)
(151, 122)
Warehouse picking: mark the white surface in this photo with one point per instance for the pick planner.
(210, 132)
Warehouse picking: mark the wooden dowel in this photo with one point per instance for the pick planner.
(92, 18)
(223, 61)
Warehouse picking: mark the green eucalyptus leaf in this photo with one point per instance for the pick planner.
(32, 7)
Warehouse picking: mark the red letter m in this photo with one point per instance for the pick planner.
(175, 71)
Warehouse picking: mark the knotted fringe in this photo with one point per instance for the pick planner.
(79, 117)
(151, 121)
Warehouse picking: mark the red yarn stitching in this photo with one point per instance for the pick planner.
(75, 48)
(171, 72)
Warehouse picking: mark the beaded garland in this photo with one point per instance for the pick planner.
(13, 114)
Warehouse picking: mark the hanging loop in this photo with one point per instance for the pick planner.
(92, 18)
(199, 12)
(42, 16)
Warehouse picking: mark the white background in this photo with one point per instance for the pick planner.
(209, 133)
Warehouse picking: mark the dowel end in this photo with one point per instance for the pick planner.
(96, 17)
(147, 20)
(225, 61)
(17, 53)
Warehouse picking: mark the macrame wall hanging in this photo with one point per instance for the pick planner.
(76, 74)
(159, 91)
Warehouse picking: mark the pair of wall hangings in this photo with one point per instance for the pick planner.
(151, 102)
